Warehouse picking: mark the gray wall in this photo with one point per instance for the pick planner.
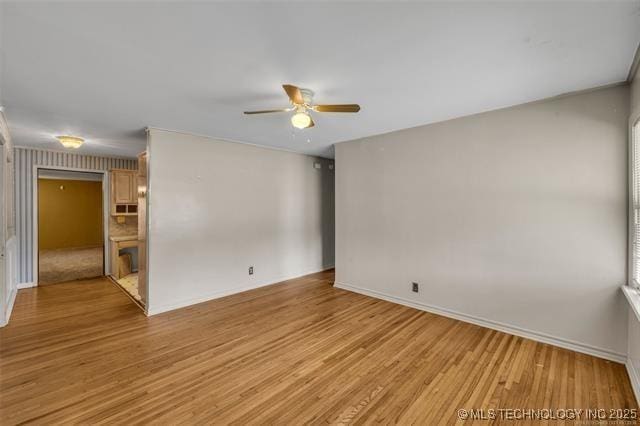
(216, 208)
(514, 218)
(25, 159)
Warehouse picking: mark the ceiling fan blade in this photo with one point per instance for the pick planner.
(268, 111)
(294, 94)
(337, 108)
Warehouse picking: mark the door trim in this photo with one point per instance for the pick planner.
(105, 215)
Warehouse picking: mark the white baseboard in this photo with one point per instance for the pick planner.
(20, 286)
(154, 310)
(494, 325)
(12, 298)
(634, 378)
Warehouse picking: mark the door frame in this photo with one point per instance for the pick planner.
(105, 215)
(5, 287)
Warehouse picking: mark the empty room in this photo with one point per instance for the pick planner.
(345, 212)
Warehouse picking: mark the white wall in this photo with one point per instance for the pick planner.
(216, 208)
(514, 219)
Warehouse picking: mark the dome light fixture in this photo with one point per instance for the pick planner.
(301, 120)
(72, 142)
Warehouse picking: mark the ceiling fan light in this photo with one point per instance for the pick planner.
(70, 141)
(301, 120)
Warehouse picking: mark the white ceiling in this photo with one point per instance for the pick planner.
(107, 70)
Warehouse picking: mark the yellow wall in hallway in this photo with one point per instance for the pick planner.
(69, 217)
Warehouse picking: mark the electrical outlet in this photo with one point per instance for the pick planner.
(415, 287)
(250, 270)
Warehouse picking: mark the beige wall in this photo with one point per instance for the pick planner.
(515, 219)
(69, 213)
(216, 208)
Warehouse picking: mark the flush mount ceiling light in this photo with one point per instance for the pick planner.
(70, 141)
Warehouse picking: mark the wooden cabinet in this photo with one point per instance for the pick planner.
(124, 193)
(123, 187)
(117, 244)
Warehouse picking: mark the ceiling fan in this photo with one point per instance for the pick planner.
(302, 103)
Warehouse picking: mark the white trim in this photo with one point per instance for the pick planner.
(494, 325)
(9, 308)
(21, 286)
(634, 378)
(633, 297)
(221, 293)
(105, 215)
(147, 240)
(631, 200)
(65, 175)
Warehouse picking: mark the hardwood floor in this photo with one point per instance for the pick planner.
(292, 353)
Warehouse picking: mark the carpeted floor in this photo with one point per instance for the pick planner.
(60, 265)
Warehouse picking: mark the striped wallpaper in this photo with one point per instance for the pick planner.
(24, 160)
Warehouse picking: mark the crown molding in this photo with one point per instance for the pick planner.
(634, 65)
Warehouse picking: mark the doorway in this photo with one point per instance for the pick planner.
(70, 225)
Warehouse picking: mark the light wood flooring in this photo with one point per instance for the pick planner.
(293, 353)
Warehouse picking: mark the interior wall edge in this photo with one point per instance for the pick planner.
(9, 308)
(633, 69)
(494, 325)
(634, 378)
(26, 285)
(155, 310)
(10, 278)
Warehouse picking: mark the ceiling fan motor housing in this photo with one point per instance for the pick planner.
(307, 95)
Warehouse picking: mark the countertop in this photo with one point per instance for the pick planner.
(123, 238)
